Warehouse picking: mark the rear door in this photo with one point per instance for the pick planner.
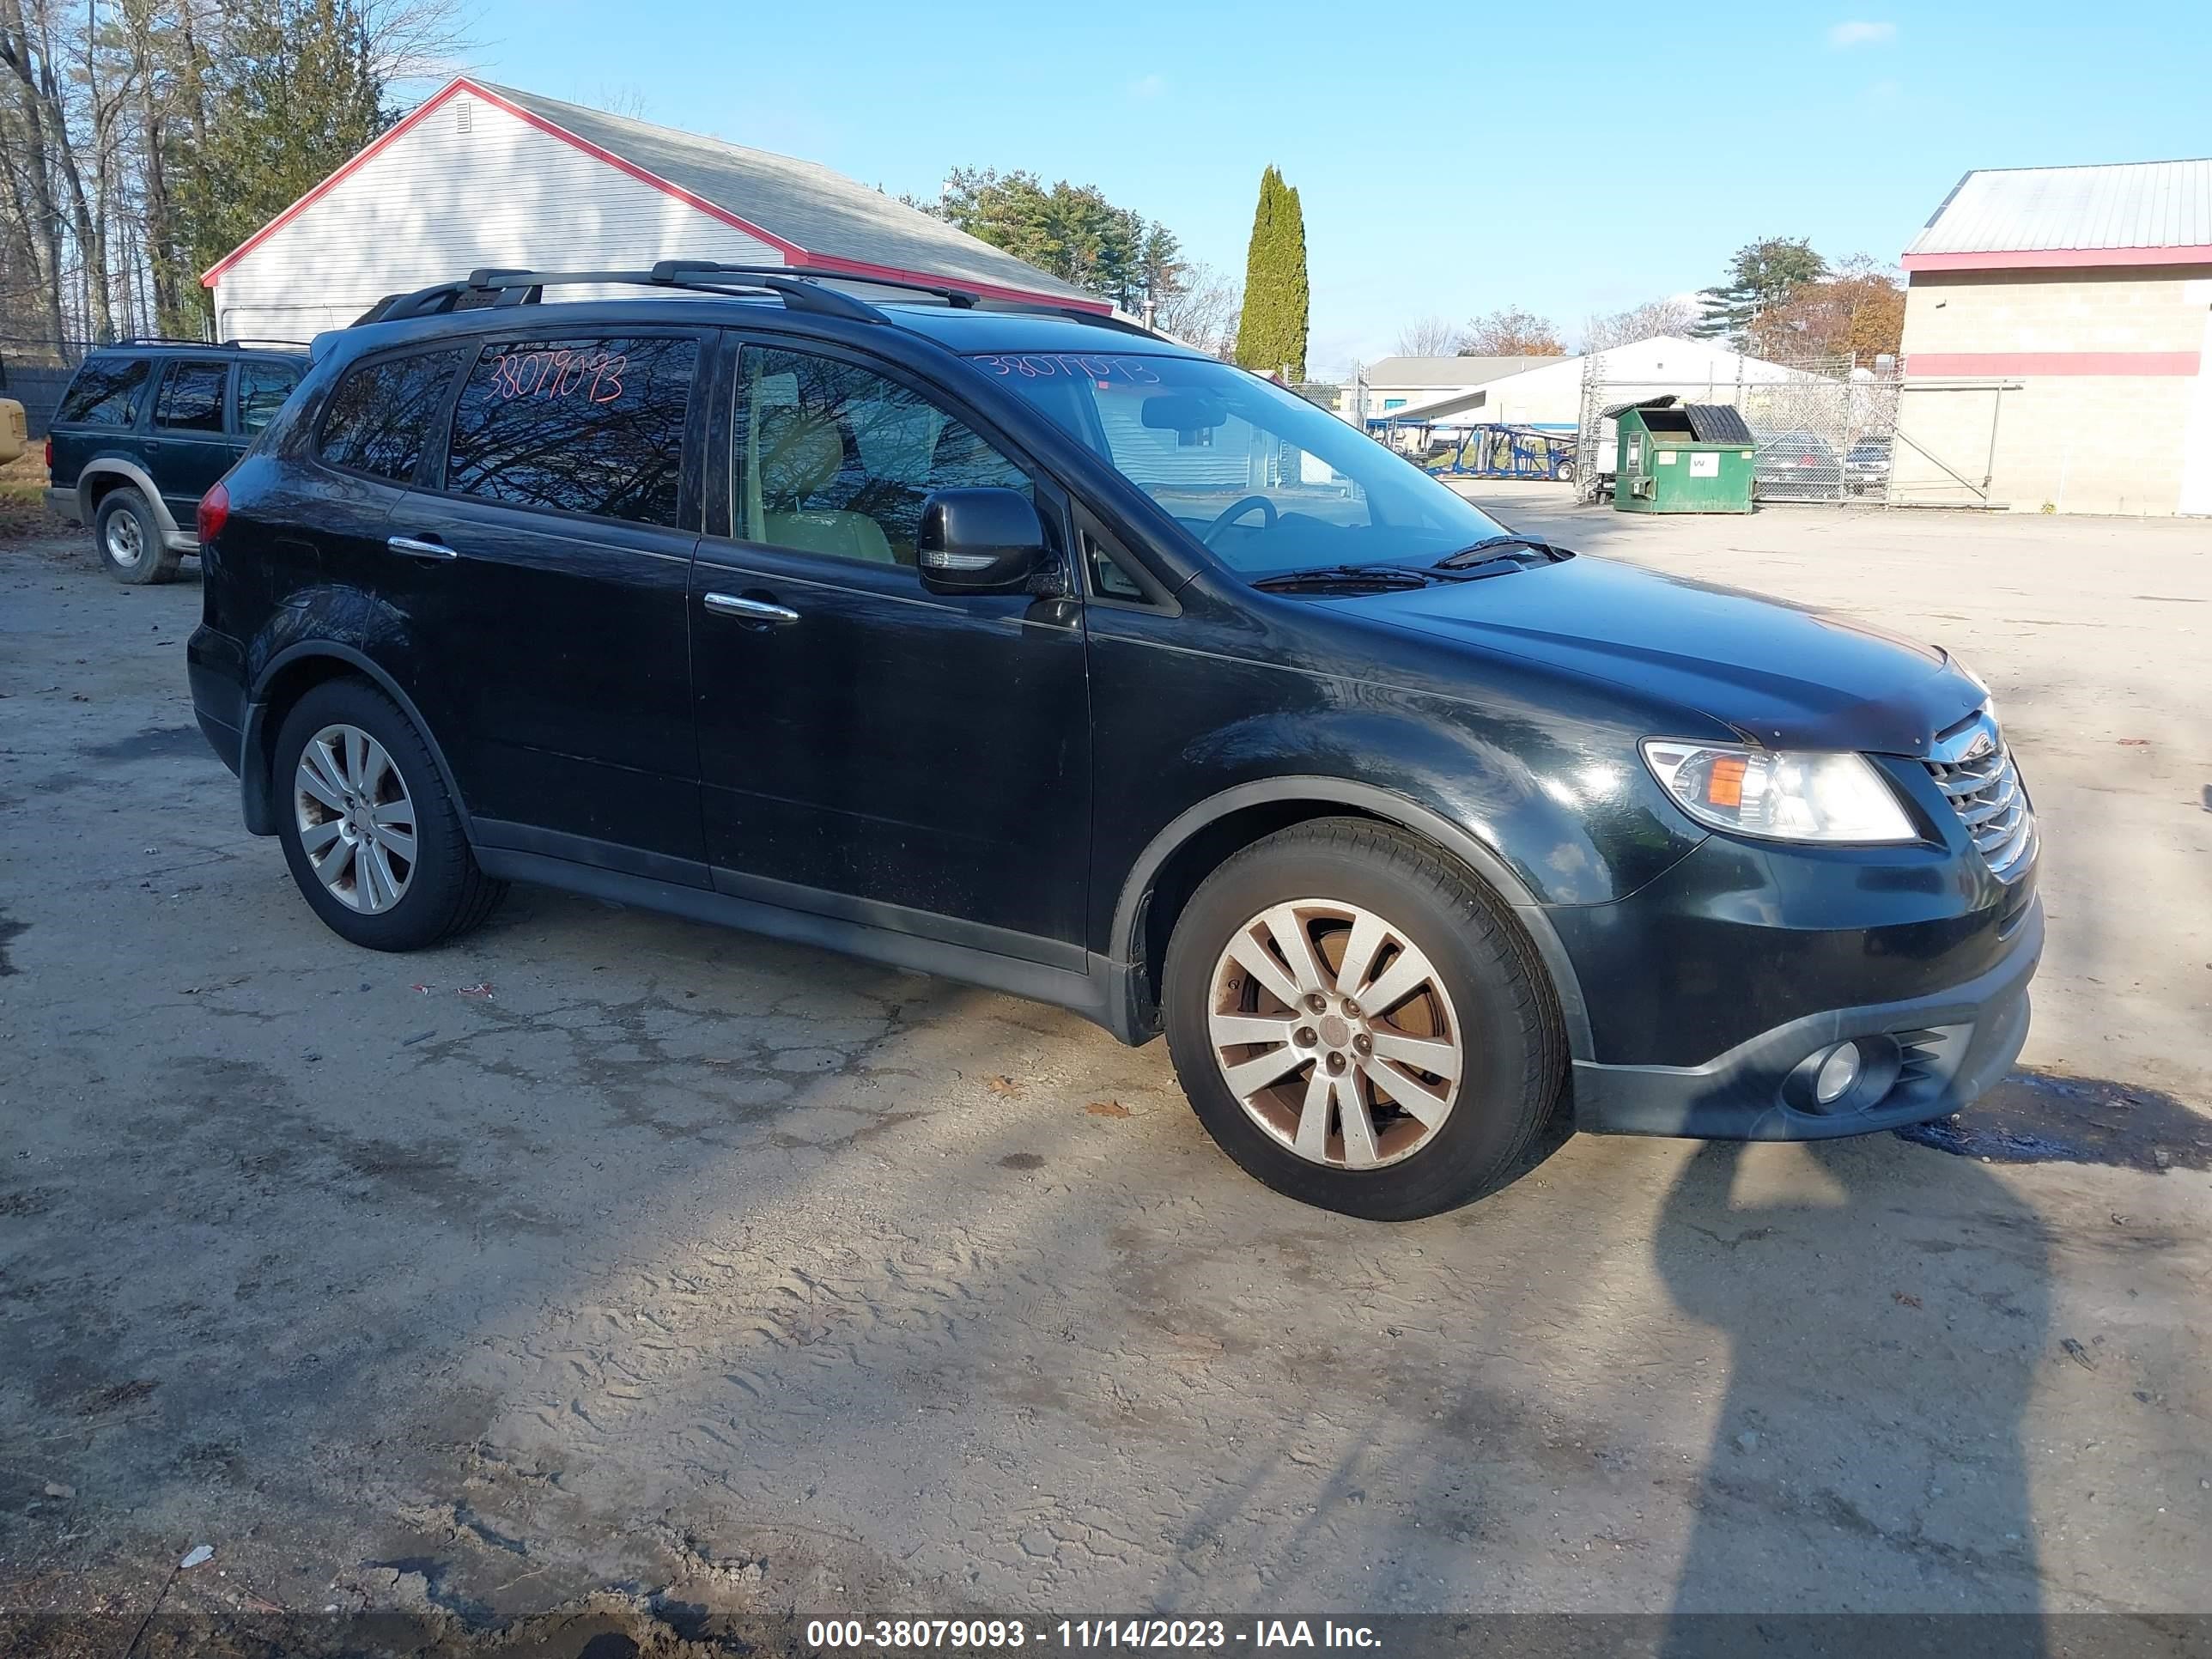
(542, 565)
(188, 447)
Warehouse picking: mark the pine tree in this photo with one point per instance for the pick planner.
(293, 96)
(1271, 336)
(1762, 276)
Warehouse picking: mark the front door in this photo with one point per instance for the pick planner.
(189, 450)
(869, 751)
(542, 567)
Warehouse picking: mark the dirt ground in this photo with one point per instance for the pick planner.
(605, 1254)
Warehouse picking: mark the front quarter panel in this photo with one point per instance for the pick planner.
(1540, 771)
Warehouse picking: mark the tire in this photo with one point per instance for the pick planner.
(1484, 990)
(128, 539)
(355, 822)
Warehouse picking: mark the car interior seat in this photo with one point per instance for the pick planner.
(800, 454)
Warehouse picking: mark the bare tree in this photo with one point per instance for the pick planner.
(1427, 336)
(1673, 315)
(1511, 332)
(1202, 309)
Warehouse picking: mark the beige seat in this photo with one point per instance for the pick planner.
(799, 453)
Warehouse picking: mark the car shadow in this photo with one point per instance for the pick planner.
(1814, 1473)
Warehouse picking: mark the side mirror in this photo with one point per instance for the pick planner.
(979, 541)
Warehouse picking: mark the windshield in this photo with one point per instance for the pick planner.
(1269, 481)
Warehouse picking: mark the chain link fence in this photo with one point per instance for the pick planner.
(1825, 427)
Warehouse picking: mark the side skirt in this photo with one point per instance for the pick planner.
(1085, 993)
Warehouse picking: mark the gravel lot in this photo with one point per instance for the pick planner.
(604, 1253)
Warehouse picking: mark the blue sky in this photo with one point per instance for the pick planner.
(1566, 159)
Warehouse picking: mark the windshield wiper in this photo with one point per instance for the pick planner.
(1341, 578)
(1492, 549)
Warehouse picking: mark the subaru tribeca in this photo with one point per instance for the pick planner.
(1032, 649)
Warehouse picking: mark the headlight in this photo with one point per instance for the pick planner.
(1783, 795)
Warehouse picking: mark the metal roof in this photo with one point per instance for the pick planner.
(2079, 209)
(814, 208)
(1447, 371)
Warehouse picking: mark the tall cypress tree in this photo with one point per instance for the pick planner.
(1271, 335)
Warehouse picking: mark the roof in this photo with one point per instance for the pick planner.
(817, 217)
(1447, 371)
(2128, 213)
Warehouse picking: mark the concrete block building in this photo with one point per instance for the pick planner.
(2058, 334)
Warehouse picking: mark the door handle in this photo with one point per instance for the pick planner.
(415, 548)
(753, 611)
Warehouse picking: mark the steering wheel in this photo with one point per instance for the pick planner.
(1237, 510)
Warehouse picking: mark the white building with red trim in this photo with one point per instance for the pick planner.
(2059, 343)
(486, 175)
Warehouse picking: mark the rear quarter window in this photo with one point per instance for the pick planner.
(592, 426)
(379, 419)
(106, 391)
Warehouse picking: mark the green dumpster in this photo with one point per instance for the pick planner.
(1686, 457)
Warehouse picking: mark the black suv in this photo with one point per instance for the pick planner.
(1034, 650)
(145, 428)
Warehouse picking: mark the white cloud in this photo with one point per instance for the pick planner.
(1844, 36)
(1147, 87)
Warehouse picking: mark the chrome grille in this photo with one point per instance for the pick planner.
(1987, 796)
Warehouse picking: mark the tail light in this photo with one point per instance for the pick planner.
(214, 514)
(50, 460)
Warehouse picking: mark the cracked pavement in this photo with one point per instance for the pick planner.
(601, 1251)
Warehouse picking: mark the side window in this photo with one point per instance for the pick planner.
(831, 458)
(105, 393)
(262, 389)
(379, 419)
(191, 398)
(590, 426)
(1108, 579)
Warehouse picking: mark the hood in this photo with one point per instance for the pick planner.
(1783, 676)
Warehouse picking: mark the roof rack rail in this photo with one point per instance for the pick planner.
(800, 290)
(158, 340)
(248, 342)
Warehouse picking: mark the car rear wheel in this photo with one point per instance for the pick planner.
(1356, 1025)
(129, 540)
(370, 831)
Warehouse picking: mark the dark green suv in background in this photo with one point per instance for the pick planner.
(145, 430)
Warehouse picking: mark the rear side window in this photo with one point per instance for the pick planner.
(591, 426)
(262, 389)
(379, 419)
(191, 398)
(105, 393)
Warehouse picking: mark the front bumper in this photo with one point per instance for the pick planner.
(1932, 1055)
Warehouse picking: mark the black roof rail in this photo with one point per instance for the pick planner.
(156, 340)
(255, 342)
(1075, 314)
(502, 286)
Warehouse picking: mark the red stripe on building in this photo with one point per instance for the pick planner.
(1923, 364)
(799, 257)
(2051, 258)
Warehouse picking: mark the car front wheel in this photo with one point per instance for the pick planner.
(371, 833)
(1356, 1025)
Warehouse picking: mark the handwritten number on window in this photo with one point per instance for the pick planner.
(595, 376)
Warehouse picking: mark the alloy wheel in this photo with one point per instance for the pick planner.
(126, 541)
(1335, 1033)
(355, 819)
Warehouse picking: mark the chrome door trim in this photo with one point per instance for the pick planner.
(759, 610)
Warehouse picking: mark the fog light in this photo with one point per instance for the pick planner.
(1839, 1072)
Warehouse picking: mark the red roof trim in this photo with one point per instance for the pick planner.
(796, 255)
(2047, 258)
(1963, 364)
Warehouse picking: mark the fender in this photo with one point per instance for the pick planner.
(183, 541)
(256, 784)
(1406, 814)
